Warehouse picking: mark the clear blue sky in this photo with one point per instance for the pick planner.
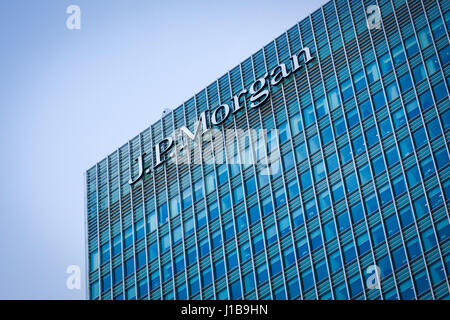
(68, 98)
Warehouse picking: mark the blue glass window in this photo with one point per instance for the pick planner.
(204, 247)
(392, 91)
(267, 205)
(335, 261)
(128, 236)
(418, 73)
(426, 165)
(428, 239)
(333, 98)
(385, 127)
(434, 128)
(392, 225)
(385, 194)
(392, 156)
(308, 115)
(412, 109)
(187, 198)
(377, 234)
(411, 46)
(385, 63)
(442, 158)
(365, 108)
(372, 72)
(398, 117)
(324, 200)
(357, 212)
(432, 64)
(162, 213)
(250, 186)
(364, 174)
(316, 239)
(405, 82)
(399, 185)
(343, 221)
(345, 154)
(346, 89)
(372, 136)
(310, 208)
(406, 217)
(363, 243)
(300, 152)
(302, 248)
(351, 183)
(321, 107)
(358, 145)
(296, 124)
(378, 165)
(201, 219)
(398, 55)
(319, 171)
(313, 143)
(352, 117)
(254, 214)
(307, 279)
(359, 80)
(349, 253)
(440, 92)
(292, 189)
(424, 37)
(413, 247)
(378, 100)
(262, 273)
(339, 126)
(437, 28)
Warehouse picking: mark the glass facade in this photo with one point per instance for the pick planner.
(363, 189)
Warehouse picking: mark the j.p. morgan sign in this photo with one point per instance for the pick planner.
(254, 96)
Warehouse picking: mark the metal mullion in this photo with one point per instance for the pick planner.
(340, 170)
(109, 230)
(243, 185)
(324, 160)
(86, 242)
(296, 169)
(311, 171)
(207, 209)
(157, 225)
(133, 224)
(231, 198)
(145, 223)
(281, 165)
(218, 205)
(169, 227)
(98, 233)
(119, 175)
(337, 150)
(182, 217)
(271, 193)
(194, 217)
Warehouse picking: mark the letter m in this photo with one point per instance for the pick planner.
(200, 129)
